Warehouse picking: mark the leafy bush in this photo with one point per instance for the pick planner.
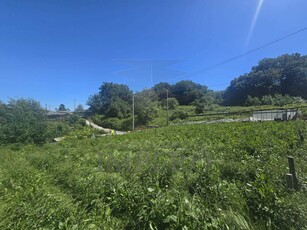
(71, 123)
(75, 120)
(267, 100)
(251, 101)
(277, 100)
(23, 121)
(113, 123)
(178, 114)
(113, 100)
(281, 100)
(203, 104)
(172, 103)
(146, 106)
(118, 109)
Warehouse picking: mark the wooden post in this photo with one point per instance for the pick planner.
(292, 171)
(289, 178)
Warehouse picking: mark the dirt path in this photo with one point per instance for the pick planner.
(91, 124)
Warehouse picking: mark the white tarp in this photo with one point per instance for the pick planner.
(271, 115)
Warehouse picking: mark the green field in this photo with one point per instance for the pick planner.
(217, 176)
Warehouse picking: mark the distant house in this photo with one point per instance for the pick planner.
(57, 115)
(275, 115)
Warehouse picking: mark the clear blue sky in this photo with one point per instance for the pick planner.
(56, 51)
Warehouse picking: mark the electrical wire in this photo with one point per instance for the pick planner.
(245, 54)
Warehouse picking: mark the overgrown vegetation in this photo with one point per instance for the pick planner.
(219, 176)
(277, 100)
(22, 121)
(63, 127)
(273, 82)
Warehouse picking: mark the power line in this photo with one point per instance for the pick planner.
(246, 53)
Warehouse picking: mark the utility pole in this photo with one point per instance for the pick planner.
(74, 105)
(132, 111)
(167, 119)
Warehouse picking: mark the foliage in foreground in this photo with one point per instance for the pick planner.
(22, 121)
(219, 176)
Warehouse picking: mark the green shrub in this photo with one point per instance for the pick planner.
(23, 121)
(178, 114)
(172, 103)
(113, 122)
(203, 104)
(252, 101)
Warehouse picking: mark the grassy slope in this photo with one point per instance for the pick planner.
(192, 177)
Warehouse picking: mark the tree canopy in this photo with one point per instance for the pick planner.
(62, 108)
(187, 91)
(146, 106)
(161, 90)
(113, 100)
(22, 121)
(285, 75)
(79, 109)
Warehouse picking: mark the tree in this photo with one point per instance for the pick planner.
(62, 108)
(286, 74)
(95, 103)
(252, 101)
(3, 121)
(178, 114)
(79, 109)
(267, 100)
(161, 90)
(218, 96)
(187, 91)
(118, 108)
(113, 100)
(172, 103)
(146, 106)
(23, 121)
(203, 104)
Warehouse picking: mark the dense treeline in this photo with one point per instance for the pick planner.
(274, 81)
(284, 75)
(114, 101)
(186, 91)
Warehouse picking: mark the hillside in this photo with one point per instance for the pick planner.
(216, 176)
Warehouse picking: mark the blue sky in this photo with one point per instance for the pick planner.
(59, 51)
